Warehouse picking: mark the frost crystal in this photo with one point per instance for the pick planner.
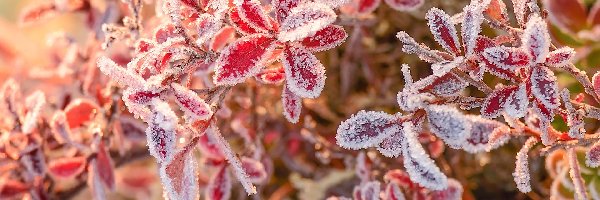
(521, 174)
(194, 107)
(305, 75)
(536, 38)
(207, 26)
(304, 21)
(283, 8)
(366, 129)
(560, 57)
(292, 105)
(448, 124)
(119, 74)
(242, 59)
(161, 132)
(443, 30)
(391, 146)
(420, 167)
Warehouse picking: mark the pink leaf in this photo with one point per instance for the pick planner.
(400, 178)
(536, 39)
(304, 21)
(36, 12)
(94, 182)
(242, 59)
(292, 105)
(253, 13)
(366, 129)
(453, 192)
(207, 26)
(255, 170)
(165, 32)
(520, 10)
(448, 124)
(325, 39)
(283, 8)
(274, 75)
(208, 147)
(393, 192)
(544, 87)
(508, 58)
(140, 96)
(219, 186)
(305, 75)
(443, 30)
(179, 176)
(64, 168)
(193, 106)
(481, 129)
(221, 38)
(239, 24)
(420, 167)
(104, 166)
(367, 6)
(567, 14)
(143, 45)
(592, 156)
(160, 133)
(405, 5)
(560, 57)
(79, 112)
(9, 189)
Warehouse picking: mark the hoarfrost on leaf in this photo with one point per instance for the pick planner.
(304, 21)
(521, 174)
(366, 129)
(418, 164)
(305, 75)
(536, 38)
(193, 106)
(161, 132)
(449, 124)
(242, 59)
(443, 30)
(292, 105)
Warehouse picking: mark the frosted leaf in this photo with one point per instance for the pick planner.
(420, 167)
(179, 177)
(193, 106)
(165, 31)
(139, 96)
(133, 129)
(410, 46)
(442, 68)
(544, 87)
(333, 3)
(411, 101)
(574, 117)
(283, 8)
(253, 14)
(508, 58)
(161, 132)
(34, 162)
(221, 38)
(65, 168)
(481, 129)
(370, 190)
(33, 103)
(521, 174)
(405, 5)
(400, 178)
(471, 27)
(242, 59)
(255, 169)
(520, 9)
(219, 186)
(545, 115)
(274, 75)
(448, 124)
(498, 137)
(305, 75)
(592, 156)
(453, 192)
(495, 102)
(393, 192)
(516, 104)
(240, 25)
(104, 166)
(207, 26)
(391, 146)
(560, 57)
(208, 147)
(292, 105)
(443, 30)
(60, 129)
(143, 45)
(596, 83)
(366, 6)
(11, 189)
(363, 167)
(119, 74)
(304, 21)
(325, 39)
(97, 188)
(575, 173)
(446, 85)
(536, 39)
(366, 129)
(496, 10)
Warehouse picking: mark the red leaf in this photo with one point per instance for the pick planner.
(325, 39)
(544, 87)
(496, 10)
(193, 106)
(79, 112)
(144, 45)
(292, 105)
(160, 134)
(191, 3)
(305, 75)
(37, 12)
(405, 5)
(255, 16)
(446, 85)
(221, 38)
(219, 186)
(242, 59)
(274, 75)
(481, 129)
(453, 192)
(391, 146)
(140, 96)
(567, 14)
(179, 176)
(104, 166)
(209, 148)
(367, 6)
(494, 102)
(11, 188)
(443, 30)
(283, 8)
(536, 38)
(239, 24)
(304, 21)
(508, 58)
(164, 32)
(64, 168)
(255, 170)
(207, 26)
(560, 57)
